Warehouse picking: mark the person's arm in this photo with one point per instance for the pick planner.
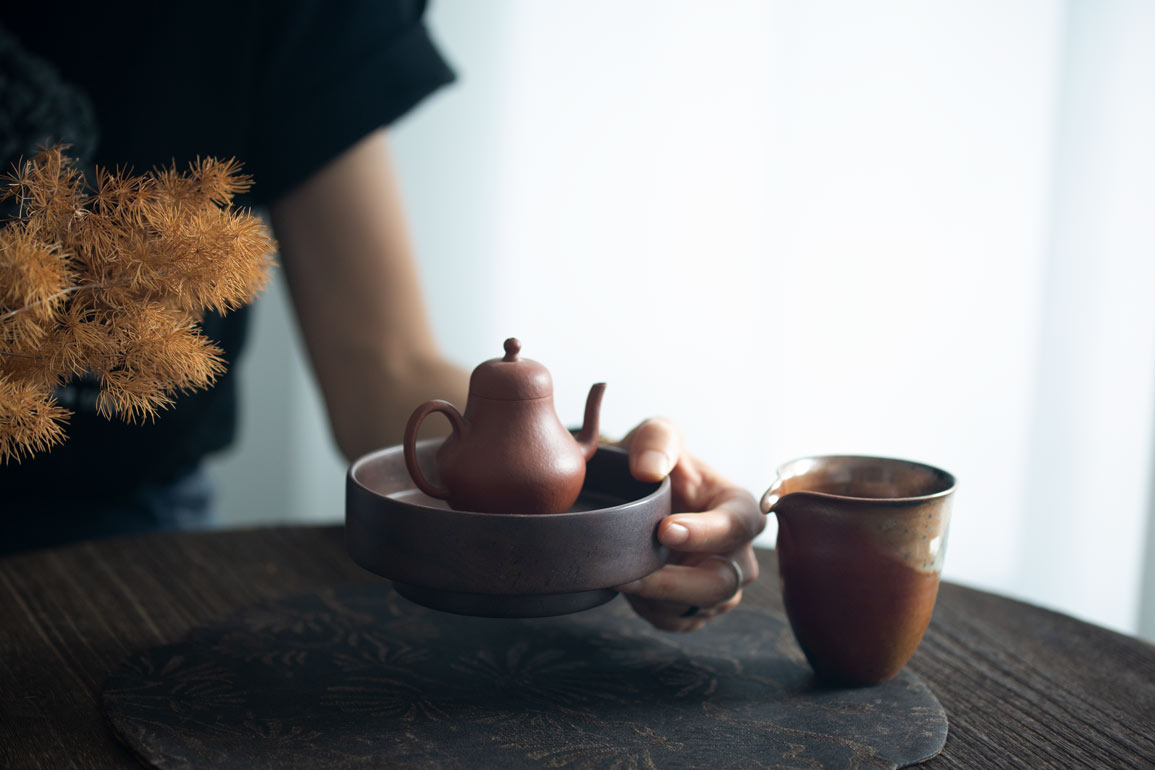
(348, 260)
(352, 275)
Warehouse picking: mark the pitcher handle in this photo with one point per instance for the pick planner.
(419, 414)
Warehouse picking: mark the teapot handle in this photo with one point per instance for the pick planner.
(415, 420)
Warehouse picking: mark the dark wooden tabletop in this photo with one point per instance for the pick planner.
(1022, 687)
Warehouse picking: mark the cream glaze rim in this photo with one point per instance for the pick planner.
(946, 476)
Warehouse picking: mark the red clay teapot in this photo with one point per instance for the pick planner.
(509, 452)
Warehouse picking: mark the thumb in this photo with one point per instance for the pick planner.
(654, 448)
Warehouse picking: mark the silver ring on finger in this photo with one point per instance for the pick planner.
(739, 576)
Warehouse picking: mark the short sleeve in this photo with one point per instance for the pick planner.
(328, 75)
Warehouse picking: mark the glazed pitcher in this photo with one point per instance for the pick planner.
(861, 542)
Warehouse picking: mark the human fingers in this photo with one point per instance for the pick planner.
(676, 616)
(710, 583)
(654, 446)
(728, 527)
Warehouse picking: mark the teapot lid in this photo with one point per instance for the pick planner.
(511, 378)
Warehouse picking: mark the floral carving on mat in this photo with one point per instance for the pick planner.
(362, 678)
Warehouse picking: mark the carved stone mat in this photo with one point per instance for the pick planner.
(359, 678)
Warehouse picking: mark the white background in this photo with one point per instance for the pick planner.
(917, 229)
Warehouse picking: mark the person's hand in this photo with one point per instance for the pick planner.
(709, 534)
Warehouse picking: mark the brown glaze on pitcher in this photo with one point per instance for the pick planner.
(861, 542)
(509, 452)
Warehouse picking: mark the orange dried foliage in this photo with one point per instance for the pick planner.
(112, 280)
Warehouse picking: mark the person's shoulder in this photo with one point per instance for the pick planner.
(329, 75)
(289, 21)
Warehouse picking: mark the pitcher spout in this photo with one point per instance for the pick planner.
(771, 498)
(789, 481)
(588, 437)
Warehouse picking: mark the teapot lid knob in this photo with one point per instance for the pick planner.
(512, 349)
(511, 377)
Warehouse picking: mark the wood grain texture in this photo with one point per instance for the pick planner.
(1023, 687)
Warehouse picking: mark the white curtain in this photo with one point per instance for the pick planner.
(902, 228)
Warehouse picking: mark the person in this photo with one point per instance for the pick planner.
(304, 94)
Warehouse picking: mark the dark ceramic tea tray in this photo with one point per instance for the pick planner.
(504, 565)
(358, 678)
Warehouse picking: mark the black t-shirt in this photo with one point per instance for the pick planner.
(283, 86)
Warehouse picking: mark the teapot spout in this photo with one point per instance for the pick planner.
(588, 438)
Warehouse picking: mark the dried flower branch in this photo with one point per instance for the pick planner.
(111, 280)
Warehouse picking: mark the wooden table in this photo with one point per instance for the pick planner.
(1022, 686)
